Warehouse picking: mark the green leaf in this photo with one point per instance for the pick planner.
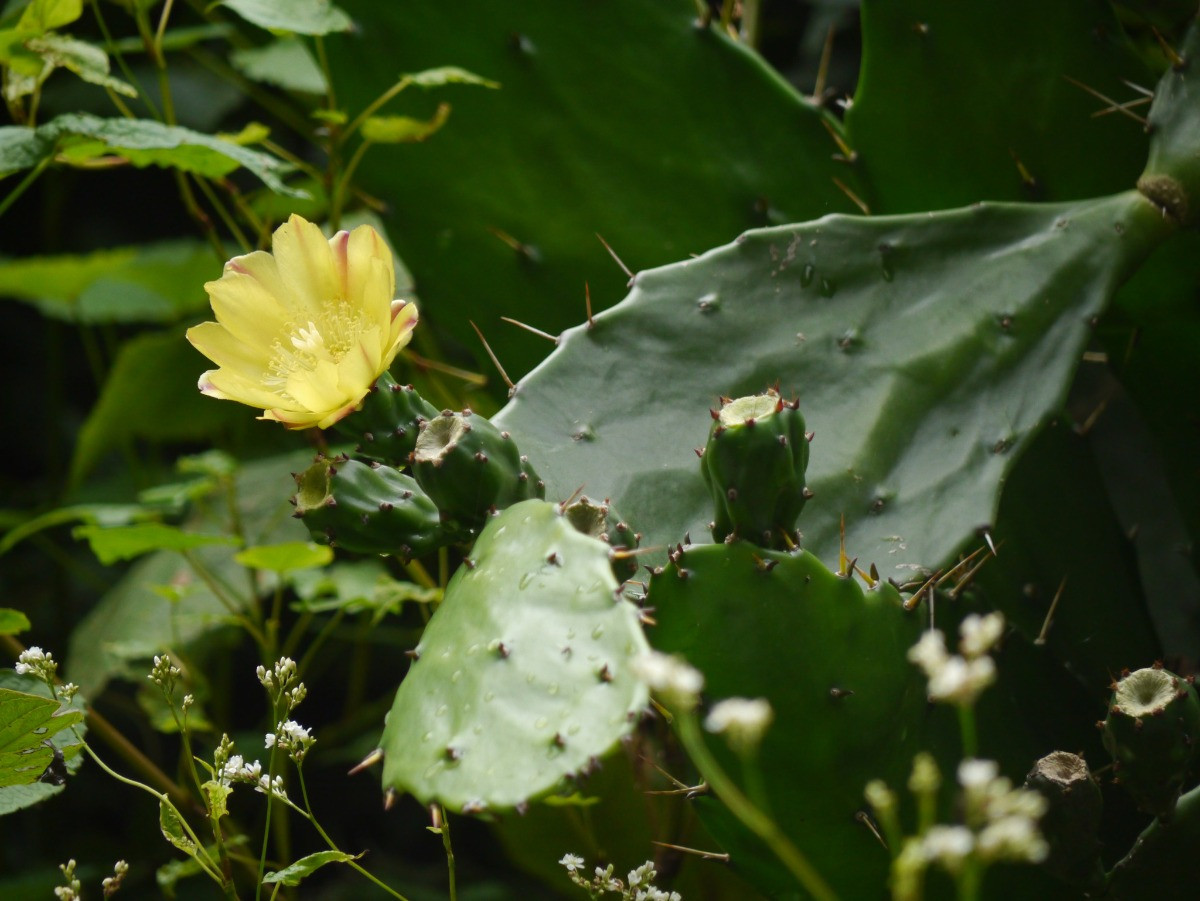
(132, 622)
(943, 117)
(175, 38)
(94, 514)
(443, 75)
(42, 15)
(173, 831)
(80, 136)
(66, 740)
(676, 147)
(13, 622)
(126, 542)
(86, 60)
(148, 283)
(26, 722)
(403, 129)
(295, 873)
(357, 586)
(285, 557)
(298, 17)
(926, 350)
(216, 797)
(285, 63)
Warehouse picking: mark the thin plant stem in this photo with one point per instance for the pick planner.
(307, 812)
(24, 184)
(230, 223)
(749, 815)
(445, 830)
(966, 728)
(373, 106)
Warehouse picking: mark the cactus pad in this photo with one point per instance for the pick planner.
(386, 424)
(830, 658)
(522, 676)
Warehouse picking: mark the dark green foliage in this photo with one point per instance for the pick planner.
(385, 427)
(470, 468)
(830, 658)
(754, 465)
(1172, 176)
(1072, 820)
(368, 509)
(521, 680)
(1153, 733)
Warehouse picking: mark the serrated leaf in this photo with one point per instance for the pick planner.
(403, 129)
(313, 17)
(147, 283)
(285, 63)
(305, 866)
(127, 542)
(66, 741)
(281, 558)
(216, 797)
(80, 136)
(926, 350)
(13, 622)
(26, 723)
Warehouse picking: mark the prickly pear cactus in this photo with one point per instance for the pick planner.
(1153, 733)
(754, 465)
(829, 656)
(368, 509)
(600, 520)
(386, 425)
(521, 679)
(471, 468)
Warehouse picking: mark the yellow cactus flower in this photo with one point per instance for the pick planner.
(304, 331)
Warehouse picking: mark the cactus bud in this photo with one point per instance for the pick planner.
(386, 424)
(369, 510)
(1071, 824)
(1151, 731)
(600, 520)
(754, 465)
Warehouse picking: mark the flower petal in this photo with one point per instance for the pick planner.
(245, 307)
(370, 271)
(228, 385)
(306, 267)
(316, 389)
(216, 342)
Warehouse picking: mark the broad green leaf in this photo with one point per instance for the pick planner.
(216, 796)
(126, 542)
(149, 283)
(305, 866)
(954, 98)
(42, 15)
(357, 586)
(403, 129)
(281, 558)
(26, 722)
(298, 17)
(285, 63)
(81, 136)
(13, 622)
(132, 622)
(622, 119)
(925, 350)
(94, 514)
(175, 38)
(66, 740)
(86, 60)
(151, 393)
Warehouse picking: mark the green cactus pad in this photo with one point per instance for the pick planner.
(1153, 732)
(522, 676)
(368, 509)
(471, 468)
(754, 466)
(386, 424)
(829, 656)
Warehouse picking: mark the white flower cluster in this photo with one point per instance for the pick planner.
(112, 884)
(72, 890)
(237, 770)
(959, 678)
(671, 678)
(38, 663)
(278, 681)
(164, 673)
(638, 885)
(743, 722)
(291, 737)
(1005, 818)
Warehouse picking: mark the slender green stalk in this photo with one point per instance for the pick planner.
(24, 184)
(230, 223)
(749, 815)
(373, 107)
(966, 729)
(445, 830)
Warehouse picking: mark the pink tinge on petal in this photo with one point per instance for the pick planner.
(290, 418)
(341, 259)
(207, 387)
(398, 305)
(235, 265)
(333, 417)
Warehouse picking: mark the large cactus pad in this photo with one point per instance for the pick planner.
(522, 676)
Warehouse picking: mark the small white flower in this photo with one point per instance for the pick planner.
(976, 773)
(961, 681)
(671, 678)
(272, 787)
(929, 653)
(36, 662)
(925, 777)
(1012, 838)
(643, 875)
(980, 634)
(948, 845)
(880, 797)
(742, 721)
(572, 862)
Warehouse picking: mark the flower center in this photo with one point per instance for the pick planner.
(329, 338)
